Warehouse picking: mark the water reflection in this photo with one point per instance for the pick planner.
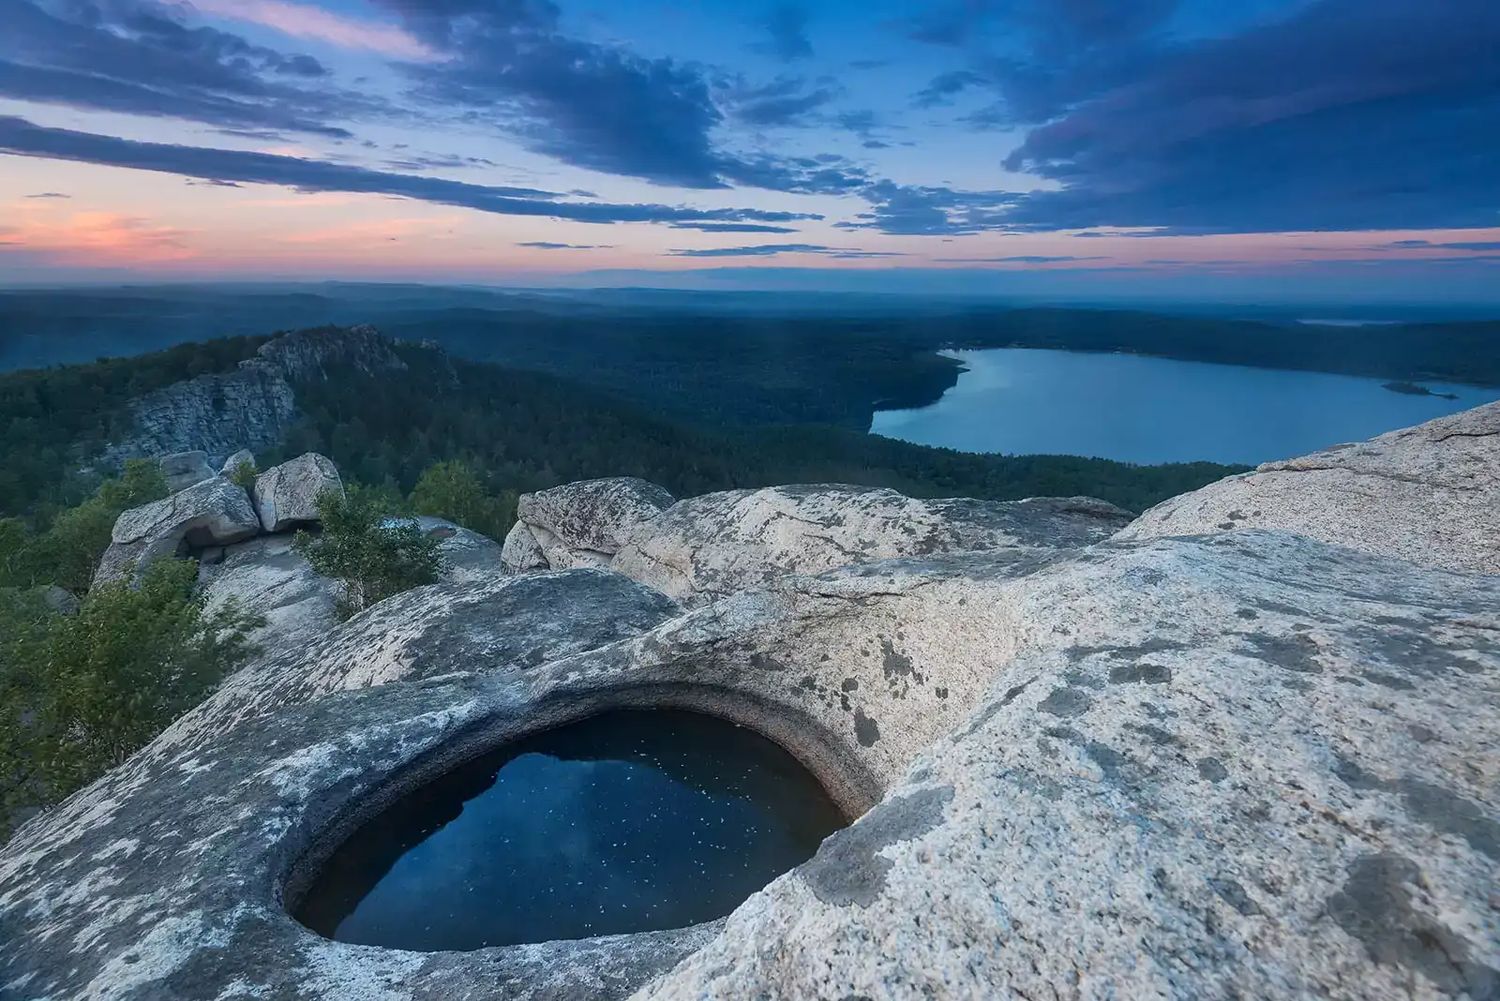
(629, 821)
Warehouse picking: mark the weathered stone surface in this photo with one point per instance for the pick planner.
(252, 407)
(243, 457)
(214, 512)
(723, 542)
(1429, 494)
(584, 523)
(267, 577)
(287, 495)
(521, 552)
(1250, 765)
(183, 469)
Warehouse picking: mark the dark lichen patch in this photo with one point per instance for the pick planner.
(1157, 736)
(1127, 652)
(1420, 733)
(765, 662)
(848, 868)
(1212, 769)
(1233, 894)
(1408, 652)
(1082, 680)
(1141, 673)
(850, 684)
(1388, 681)
(865, 730)
(896, 664)
(1246, 613)
(1297, 652)
(1066, 702)
(1446, 811)
(989, 711)
(1375, 908)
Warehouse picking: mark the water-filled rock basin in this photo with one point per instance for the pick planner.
(630, 821)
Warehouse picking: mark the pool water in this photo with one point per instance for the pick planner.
(630, 821)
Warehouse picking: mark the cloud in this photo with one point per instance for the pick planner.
(733, 227)
(784, 101)
(307, 21)
(94, 238)
(773, 249)
(1378, 114)
(49, 194)
(549, 245)
(944, 87)
(22, 138)
(786, 23)
(1018, 259)
(1449, 245)
(914, 210)
(136, 57)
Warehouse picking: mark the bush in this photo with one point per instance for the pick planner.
(243, 475)
(67, 553)
(80, 693)
(369, 548)
(452, 490)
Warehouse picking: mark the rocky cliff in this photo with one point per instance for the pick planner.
(251, 407)
(1243, 762)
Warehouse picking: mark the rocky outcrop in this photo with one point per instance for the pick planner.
(581, 524)
(1247, 763)
(1429, 494)
(724, 542)
(287, 495)
(244, 457)
(252, 407)
(214, 512)
(184, 469)
(267, 577)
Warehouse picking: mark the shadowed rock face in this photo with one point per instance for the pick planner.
(287, 495)
(1244, 764)
(1429, 494)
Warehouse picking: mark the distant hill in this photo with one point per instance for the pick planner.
(386, 410)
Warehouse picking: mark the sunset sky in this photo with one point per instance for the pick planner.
(1351, 146)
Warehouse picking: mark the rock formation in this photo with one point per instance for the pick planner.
(244, 457)
(214, 512)
(287, 495)
(183, 469)
(1242, 763)
(581, 524)
(1429, 494)
(251, 407)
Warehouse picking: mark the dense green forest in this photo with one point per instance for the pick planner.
(522, 431)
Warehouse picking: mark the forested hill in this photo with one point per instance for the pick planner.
(729, 360)
(522, 430)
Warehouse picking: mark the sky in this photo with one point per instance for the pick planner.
(1348, 148)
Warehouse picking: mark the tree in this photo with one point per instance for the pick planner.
(370, 549)
(453, 490)
(79, 693)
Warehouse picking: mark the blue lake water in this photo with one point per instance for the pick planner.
(629, 821)
(1149, 410)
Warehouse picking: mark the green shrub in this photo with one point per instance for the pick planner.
(243, 475)
(79, 693)
(369, 548)
(453, 490)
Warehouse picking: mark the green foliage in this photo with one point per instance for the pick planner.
(69, 550)
(372, 551)
(453, 490)
(243, 475)
(53, 420)
(79, 693)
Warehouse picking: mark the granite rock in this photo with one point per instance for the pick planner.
(243, 457)
(583, 523)
(214, 512)
(287, 495)
(1429, 494)
(183, 469)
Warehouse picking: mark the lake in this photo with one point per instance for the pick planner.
(1150, 410)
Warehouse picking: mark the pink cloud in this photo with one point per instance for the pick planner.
(307, 21)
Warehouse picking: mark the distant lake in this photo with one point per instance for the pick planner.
(1149, 410)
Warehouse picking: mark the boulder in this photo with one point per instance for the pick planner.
(183, 469)
(583, 523)
(286, 496)
(232, 464)
(1429, 494)
(718, 543)
(214, 512)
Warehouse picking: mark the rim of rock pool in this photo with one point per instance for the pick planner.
(848, 784)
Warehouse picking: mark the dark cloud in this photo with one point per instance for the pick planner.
(136, 57)
(549, 245)
(1428, 244)
(22, 138)
(733, 227)
(824, 175)
(785, 101)
(786, 23)
(913, 210)
(1018, 259)
(49, 194)
(1341, 115)
(773, 249)
(944, 87)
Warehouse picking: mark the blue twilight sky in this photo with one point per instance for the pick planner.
(1256, 147)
